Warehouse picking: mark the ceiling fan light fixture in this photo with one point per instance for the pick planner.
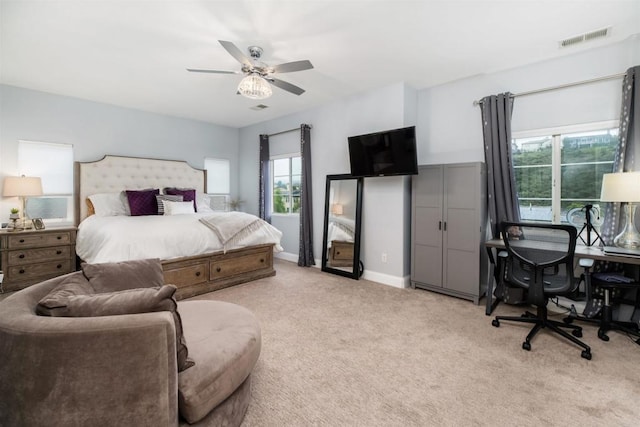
(254, 86)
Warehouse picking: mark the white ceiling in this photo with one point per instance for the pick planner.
(134, 53)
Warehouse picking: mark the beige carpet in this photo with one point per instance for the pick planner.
(340, 352)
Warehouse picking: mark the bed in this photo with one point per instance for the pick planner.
(200, 251)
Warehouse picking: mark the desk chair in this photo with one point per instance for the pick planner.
(539, 258)
(605, 320)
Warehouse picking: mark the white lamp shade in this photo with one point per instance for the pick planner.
(621, 187)
(337, 209)
(22, 186)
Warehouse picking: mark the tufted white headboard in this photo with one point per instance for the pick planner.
(116, 173)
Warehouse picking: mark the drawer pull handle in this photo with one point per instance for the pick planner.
(21, 271)
(262, 260)
(218, 269)
(58, 252)
(337, 252)
(59, 237)
(21, 256)
(21, 240)
(197, 274)
(59, 266)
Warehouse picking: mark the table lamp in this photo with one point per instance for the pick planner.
(624, 187)
(337, 209)
(22, 187)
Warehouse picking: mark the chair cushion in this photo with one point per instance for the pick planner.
(118, 276)
(225, 349)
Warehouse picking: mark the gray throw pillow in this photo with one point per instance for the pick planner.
(119, 276)
(65, 303)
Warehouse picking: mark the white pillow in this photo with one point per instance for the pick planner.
(176, 208)
(108, 204)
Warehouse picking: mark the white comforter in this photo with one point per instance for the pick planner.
(121, 238)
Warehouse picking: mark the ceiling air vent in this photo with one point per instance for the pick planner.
(259, 107)
(591, 35)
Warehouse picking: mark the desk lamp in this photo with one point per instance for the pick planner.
(22, 187)
(624, 187)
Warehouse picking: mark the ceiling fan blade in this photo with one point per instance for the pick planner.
(235, 52)
(193, 70)
(293, 66)
(286, 86)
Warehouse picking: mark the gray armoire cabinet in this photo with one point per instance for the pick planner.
(448, 229)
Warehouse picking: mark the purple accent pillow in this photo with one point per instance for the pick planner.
(143, 202)
(188, 194)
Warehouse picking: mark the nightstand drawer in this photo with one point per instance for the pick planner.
(39, 270)
(29, 256)
(39, 240)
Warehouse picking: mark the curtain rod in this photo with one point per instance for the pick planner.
(548, 89)
(286, 131)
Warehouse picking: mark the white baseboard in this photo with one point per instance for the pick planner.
(386, 279)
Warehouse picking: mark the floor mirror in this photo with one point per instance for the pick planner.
(341, 234)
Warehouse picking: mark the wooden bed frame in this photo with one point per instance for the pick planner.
(192, 275)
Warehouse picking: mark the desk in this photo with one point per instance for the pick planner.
(589, 252)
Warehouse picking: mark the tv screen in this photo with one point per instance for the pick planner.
(391, 152)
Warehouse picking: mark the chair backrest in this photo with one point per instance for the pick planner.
(540, 258)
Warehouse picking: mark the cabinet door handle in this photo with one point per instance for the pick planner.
(439, 225)
(445, 226)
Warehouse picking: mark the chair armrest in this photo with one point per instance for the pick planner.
(87, 371)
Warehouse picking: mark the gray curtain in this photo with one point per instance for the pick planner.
(305, 252)
(501, 183)
(265, 180)
(627, 151)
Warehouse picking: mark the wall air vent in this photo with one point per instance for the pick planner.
(259, 107)
(591, 35)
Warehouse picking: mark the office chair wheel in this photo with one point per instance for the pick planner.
(586, 354)
(577, 333)
(496, 323)
(526, 346)
(602, 335)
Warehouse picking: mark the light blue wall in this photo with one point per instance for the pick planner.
(384, 198)
(449, 126)
(96, 129)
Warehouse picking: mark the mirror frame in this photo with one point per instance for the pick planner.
(357, 265)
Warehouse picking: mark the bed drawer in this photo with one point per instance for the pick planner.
(39, 240)
(29, 256)
(40, 270)
(222, 268)
(186, 275)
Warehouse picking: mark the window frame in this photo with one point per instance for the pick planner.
(289, 156)
(556, 155)
(24, 169)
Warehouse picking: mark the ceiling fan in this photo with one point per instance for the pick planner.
(258, 74)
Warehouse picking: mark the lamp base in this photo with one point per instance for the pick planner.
(629, 238)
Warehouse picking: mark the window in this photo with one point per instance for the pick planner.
(218, 175)
(560, 169)
(287, 174)
(53, 163)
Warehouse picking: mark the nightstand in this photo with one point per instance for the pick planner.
(341, 254)
(31, 256)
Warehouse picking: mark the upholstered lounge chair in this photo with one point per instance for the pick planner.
(122, 370)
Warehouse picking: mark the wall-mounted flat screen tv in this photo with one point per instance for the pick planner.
(391, 152)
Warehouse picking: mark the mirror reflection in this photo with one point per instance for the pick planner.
(341, 244)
